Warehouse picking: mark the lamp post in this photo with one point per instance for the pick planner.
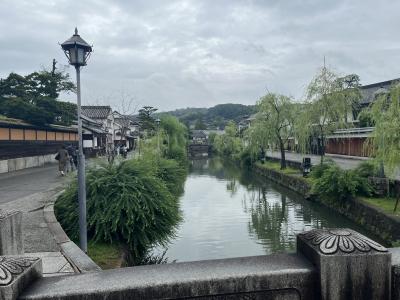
(158, 121)
(78, 52)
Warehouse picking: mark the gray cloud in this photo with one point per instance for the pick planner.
(172, 54)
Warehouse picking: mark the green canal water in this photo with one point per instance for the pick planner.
(230, 212)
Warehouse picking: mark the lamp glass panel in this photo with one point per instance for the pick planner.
(77, 56)
(81, 56)
(72, 56)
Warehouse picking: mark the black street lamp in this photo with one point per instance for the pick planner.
(78, 52)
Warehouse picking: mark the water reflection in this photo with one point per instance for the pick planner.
(229, 212)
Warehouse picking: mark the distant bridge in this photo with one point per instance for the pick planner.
(196, 150)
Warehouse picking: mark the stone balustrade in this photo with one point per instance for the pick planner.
(11, 239)
(332, 264)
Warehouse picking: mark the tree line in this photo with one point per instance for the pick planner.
(34, 97)
(332, 102)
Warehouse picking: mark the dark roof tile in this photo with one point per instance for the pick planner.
(96, 112)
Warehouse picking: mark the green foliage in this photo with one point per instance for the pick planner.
(385, 139)
(211, 137)
(19, 109)
(147, 122)
(274, 124)
(246, 158)
(214, 117)
(32, 98)
(368, 169)
(129, 203)
(200, 125)
(365, 118)
(341, 184)
(174, 136)
(173, 174)
(229, 144)
(330, 100)
(318, 170)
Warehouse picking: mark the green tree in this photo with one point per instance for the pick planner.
(274, 123)
(330, 101)
(144, 210)
(32, 98)
(146, 119)
(229, 144)
(200, 125)
(385, 139)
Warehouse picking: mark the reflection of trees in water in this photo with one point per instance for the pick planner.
(232, 187)
(273, 221)
(269, 221)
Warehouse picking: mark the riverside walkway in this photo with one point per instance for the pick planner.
(345, 162)
(29, 191)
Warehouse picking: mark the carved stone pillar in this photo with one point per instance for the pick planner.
(16, 274)
(11, 238)
(351, 266)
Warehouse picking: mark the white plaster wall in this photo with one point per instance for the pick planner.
(10, 165)
(3, 166)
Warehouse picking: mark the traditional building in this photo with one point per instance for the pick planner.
(126, 130)
(199, 137)
(351, 141)
(102, 115)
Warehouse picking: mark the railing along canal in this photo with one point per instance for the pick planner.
(329, 264)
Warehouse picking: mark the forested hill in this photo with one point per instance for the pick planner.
(213, 117)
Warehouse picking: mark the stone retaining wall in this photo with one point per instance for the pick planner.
(375, 221)
(295, 183)
(14, 164)
(289, 163)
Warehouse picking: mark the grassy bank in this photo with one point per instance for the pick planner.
(385, 204)
(276, 166)
(106, 256)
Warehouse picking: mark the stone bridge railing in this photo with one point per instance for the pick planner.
(329, 264)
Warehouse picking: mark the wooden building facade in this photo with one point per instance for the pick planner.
(19, 139)
(350, 142)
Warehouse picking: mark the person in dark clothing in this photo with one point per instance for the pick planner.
(73, 157)
(62, 157)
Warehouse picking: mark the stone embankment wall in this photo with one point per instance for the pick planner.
(377, 222)
(14, 164)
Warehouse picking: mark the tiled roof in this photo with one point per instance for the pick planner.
(96, 112)
(199, 134)
(370, 91)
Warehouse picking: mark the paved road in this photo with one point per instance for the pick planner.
(343, 162)
(22, 183)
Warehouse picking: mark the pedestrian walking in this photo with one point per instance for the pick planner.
(62, 157)
(73, 157)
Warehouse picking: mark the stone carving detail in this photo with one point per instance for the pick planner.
(12, 266)
(345, 240)
(4, 214)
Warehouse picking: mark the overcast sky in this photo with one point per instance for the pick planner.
(173, 54)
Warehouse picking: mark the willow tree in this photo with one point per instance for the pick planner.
(257, 138)
(385, 139)
(330, 102)
(274, 122)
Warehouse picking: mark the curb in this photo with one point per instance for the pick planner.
(79, 260)
(361, 158)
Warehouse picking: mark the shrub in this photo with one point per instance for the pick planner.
(173, 174)
(126, 203)
(318, 170)
(367, 169)
(343, 184)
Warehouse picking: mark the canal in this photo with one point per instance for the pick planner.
(230, 212)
